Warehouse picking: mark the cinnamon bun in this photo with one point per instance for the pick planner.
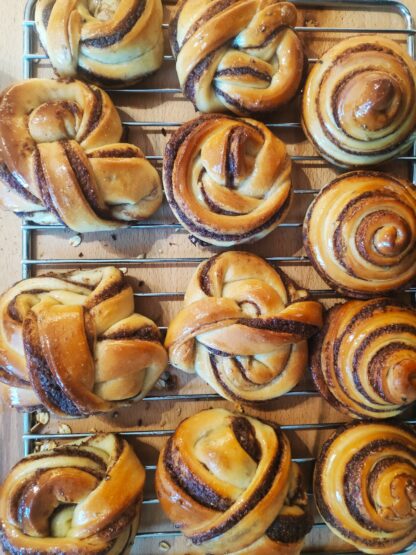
(108, 42)
(227, 181)
(360, 234)
(359, 102)
(228, 482)
(240, 55)
(82, 497)
(243, 328)
(364, 361)
(72, 343)
(365, 486)
(61, 159)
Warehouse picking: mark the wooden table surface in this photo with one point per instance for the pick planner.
(134, 244)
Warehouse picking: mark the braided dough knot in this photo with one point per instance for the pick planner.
(228, 181)
(60, 145)
(73, 343)
(82, 497)
(243, 328)
(241, 55)
(229, 483)
(106, 41)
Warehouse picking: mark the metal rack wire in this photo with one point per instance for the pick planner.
(29, 230)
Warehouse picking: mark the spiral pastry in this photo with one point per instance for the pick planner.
(365, 486)
(82, 497)
(244, 328)
(364, 361)
(360, 234)
(110, 42)
(359, 102)
(229, 483)
(61, 159)
(239, 55)
(227, 181)
(73, 343)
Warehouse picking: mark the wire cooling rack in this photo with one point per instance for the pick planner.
(31, 261)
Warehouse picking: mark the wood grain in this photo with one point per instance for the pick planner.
(161, 278)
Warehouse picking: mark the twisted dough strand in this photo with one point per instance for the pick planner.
(360, 233)
(229, 483)
(111, 42)
(62, 159)
(243, 328)
(359, 102)
(364, 361)
(365, 486)
(82, 497)
(227, 181)
(73, 343)
(237, 55)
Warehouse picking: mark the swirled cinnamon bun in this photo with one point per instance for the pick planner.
(61, 158)
(365, 486)
(364, 361)
(228, 482)
(82, 497)
(227, 181)
(237, 55)
(359, 102)
(360, 234)
(243, 328)
(73, 343)
(106, 41)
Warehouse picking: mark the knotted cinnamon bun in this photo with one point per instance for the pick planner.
(82, 497)
(364, 361)
(61, 159)
(227, 181)
(360, 233)
(73, 343)
(244, 328)
(365, 486)
(229, 483)
(106, 41)
(359, 102)
(240, 55)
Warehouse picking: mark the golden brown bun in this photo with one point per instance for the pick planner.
(228, 482)
(364, 360)
(82, 497)
(360, 234)
(239, 55)
(61, 158)
(73, 343)
(228, 181)
(365, 484)
(359, 102)
(110, 43)
(243, 328)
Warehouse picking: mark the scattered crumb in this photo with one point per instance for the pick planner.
(173, 244)
(166, 381)
(140, 422)
(179, 411)
(48, 445)
(164, 546)
(310, 21)
(64, 429)
(140, 283)
(142, 255)
(81, 255)
(114, 237)
(116, 414)
(42, 419)
(164, 132)
(75, 240)
(123, 270)
(239, 408)
(93, 430)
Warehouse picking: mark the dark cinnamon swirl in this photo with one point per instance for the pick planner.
(364, 360)
(365, 486)
(359, 102)
(360, 233)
